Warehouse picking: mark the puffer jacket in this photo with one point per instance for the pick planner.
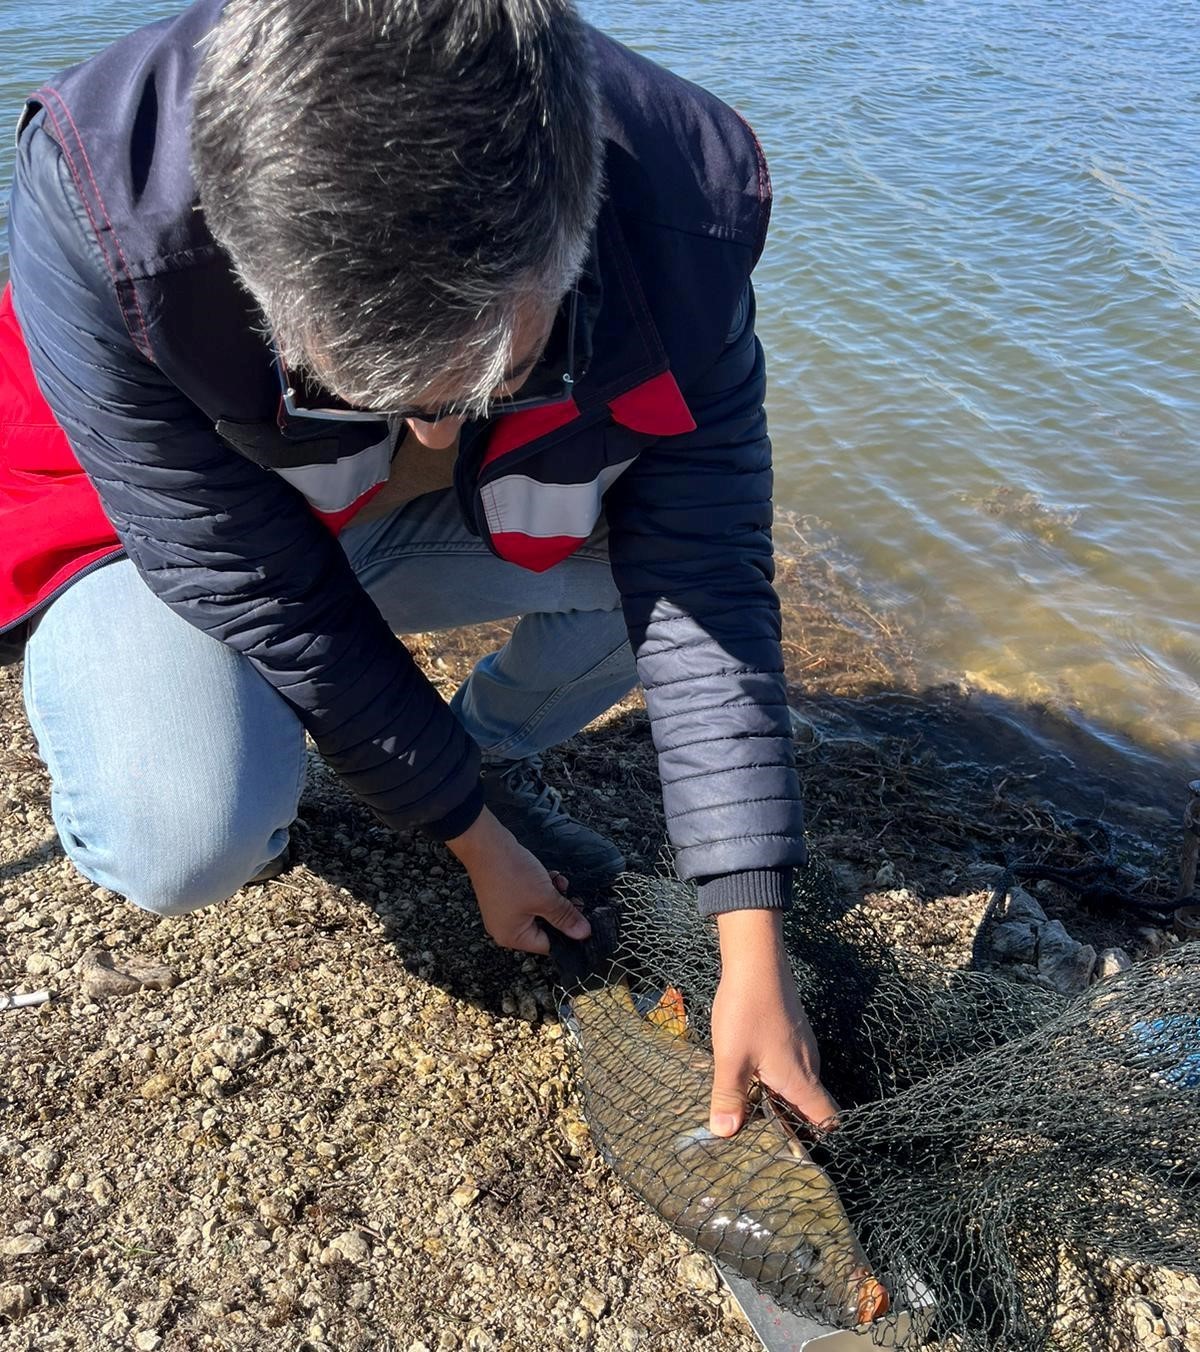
(151, 361)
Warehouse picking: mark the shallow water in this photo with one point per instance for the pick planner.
(980, 302)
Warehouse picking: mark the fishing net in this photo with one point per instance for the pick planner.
(1004, 1155)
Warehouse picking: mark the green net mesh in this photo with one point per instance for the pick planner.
(1003, 1157)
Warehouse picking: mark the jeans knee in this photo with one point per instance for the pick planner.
(180, 873)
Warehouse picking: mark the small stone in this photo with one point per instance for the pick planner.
(594, 1302)
(1148, 1321)
(234, 1045)
(16, 1299)
(101, 974)
(275, 1211)
(147, 1341)
(353, 1247)
(448, 1341)
(46, 1160)
(1063, 961)
(1154, 940)
(697, 1272)
(479, 1340)
(527, 1007)
(156, 1086)
(803, 731)
(1112, 961)
(885, 875)
(39, 964)
(631, 1337)
(465, 1197)
(19, 1246)
(100, 1190)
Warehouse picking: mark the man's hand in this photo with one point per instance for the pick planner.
(759, 1028)
(512, 889)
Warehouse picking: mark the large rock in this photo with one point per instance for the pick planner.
(1015, 941)
(1064, 962)
(1025, 907)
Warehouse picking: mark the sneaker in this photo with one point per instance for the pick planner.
(521, 799)
(273, 867)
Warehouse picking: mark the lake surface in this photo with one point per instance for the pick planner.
(981, 305)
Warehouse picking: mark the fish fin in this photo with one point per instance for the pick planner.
(791, 1141)
(669, 1013)
(873, 1299)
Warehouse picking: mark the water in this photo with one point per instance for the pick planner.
(980, 302)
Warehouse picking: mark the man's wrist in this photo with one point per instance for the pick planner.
(477, 841)
(751, 942)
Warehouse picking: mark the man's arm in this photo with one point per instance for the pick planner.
(690, 542)
(691, 550)
(229, 546)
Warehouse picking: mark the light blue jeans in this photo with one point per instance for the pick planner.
(176, 769)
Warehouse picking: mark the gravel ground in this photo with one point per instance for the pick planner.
(348, 1125)
(344, 1121)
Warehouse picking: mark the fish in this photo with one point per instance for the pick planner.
(756, 1201)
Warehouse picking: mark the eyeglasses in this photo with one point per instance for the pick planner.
(551, 381)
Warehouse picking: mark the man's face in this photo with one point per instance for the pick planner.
(534, 323)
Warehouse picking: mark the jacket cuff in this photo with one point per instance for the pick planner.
(766, 889)
(461, 819)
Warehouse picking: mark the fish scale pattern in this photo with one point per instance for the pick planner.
(1005, 1158)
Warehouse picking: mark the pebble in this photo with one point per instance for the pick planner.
(156, 1086)
(46, 1160)
(147, 1341)
(39, 964)
(885, 875)
(234, 1045)
(18, 1246)
(697, 1272)
(1111, 961)
(594, 1302)
(16, 1299)
(353, 1247)
(1148, 1320)
(465, 1197)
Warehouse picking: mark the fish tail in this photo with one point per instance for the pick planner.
(669, 1013)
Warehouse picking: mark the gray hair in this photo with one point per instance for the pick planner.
(395, 179)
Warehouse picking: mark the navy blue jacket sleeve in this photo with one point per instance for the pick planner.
(690, 541)
(227, 545)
